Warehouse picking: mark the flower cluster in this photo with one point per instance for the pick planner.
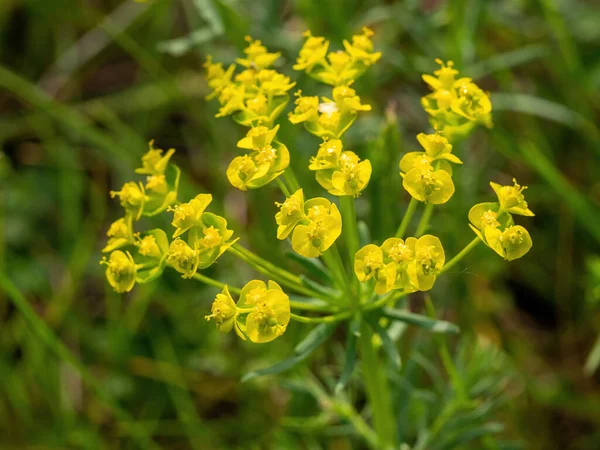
(427, 176)
(267, 160)
(261, 314)
(330, 118)
(493, 221)
(340, 172)
(337, 68)
(208, 236)
(455, 106)
(141, 199)
(408, 265)
(316, 223)
(255, 97)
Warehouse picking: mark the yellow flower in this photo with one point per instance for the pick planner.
(257, 56)
(429, 260)
(312, 53)
(152, 248)
(154, 162)
(342, 69)
(341, 173)
(429, 186)
(188, 215)
(258, 138)
(120, 271)
(291, 212)
(484, 215)
(512, 243)
(258, 168)
(270, 315)
(352, 177)
(347, 100)
(132, 198)
(368, 263)
(217, 77)
(323, 228)
(223, 311)
(231, 99)
(307, 109)
(511, 198)
(327, 156)
(183, 258)
(147, 246)
(120, 234)
(211, 239)
(401, 253)
(274, 83)
(470, 102)
(361, 49)
(443, 81)
(437, 147)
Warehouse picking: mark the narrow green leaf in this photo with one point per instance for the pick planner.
(313, 265)
(350, 355)
(435, 326)
(388, 345)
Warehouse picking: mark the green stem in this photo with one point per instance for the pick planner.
(446, 358)
(377, 390)
(470, 246)
(410, 211)
(333, 261)
(45, 334)
(424, 222)
(350, 225)
(254, 258)
(206, 280)
(279, 275)
(323, 319)
(291, 179)
(283, 187)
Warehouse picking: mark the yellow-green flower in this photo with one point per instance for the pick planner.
(437, 147)
(368, 263)
(258, 137)
(470, 102)
(232, 99)
(361, 49)
(312, 53)
(429, 186)
(347, 100)
(340, 172)
(269, 317)
(274, 83)
(512, 243)
(154, 162)
(291, 213)
(307, 109)
(188, 215)
(402, 252)
(161, 190)
(259, 167)
(183, 258)
(120, 234)
(152, 247)
(429, 260)
(485, 215)
(217, 77)
(223, 311)
(211, 239)
(511, 198)
(257, 56)
(120, 271)
(133, 197)
(324, 226)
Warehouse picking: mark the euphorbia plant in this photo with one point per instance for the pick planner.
(358, 288)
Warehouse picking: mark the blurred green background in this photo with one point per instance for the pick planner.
(84, 85)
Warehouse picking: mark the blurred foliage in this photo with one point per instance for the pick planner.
(84, 85)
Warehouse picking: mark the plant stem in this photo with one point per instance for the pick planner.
(424, 222)
(291, 180)
(350, 225)
(206, 280)
(377, 390)
(333, 261)
(283, 187)
(323, 319)
(280, 275)
(410, 211)
(470, 246)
